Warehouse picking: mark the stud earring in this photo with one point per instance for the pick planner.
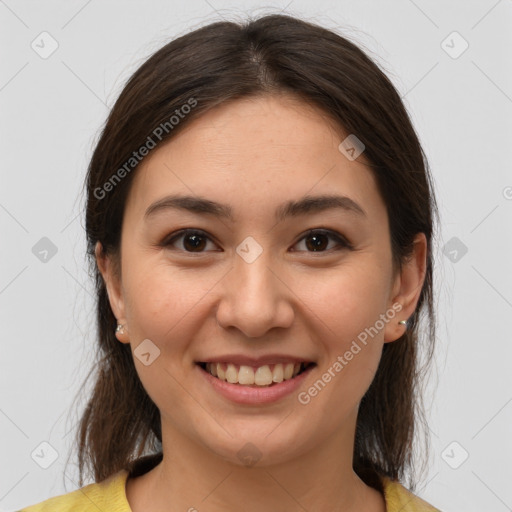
(403, 322)
(120, 329)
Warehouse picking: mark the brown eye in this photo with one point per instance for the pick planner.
(317, 240)
(192, 240)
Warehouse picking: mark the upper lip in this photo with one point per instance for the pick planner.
(244, 360)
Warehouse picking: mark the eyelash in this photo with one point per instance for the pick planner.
(342, 242)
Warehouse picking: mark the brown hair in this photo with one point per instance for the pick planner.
(221, 62)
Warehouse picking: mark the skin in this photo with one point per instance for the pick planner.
(254, 154)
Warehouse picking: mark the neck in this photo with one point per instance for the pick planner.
(193, 478)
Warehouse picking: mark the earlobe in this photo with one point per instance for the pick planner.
(113, 286)
(407, 288)
(122, 333)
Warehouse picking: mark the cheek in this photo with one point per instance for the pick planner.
(348, 304)
(163, 301)
(347, 300)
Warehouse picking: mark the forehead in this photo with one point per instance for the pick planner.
(255, 151)
(262, 123)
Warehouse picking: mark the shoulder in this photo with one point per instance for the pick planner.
(106, 495)
(398, 498)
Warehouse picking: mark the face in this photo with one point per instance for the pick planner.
(262, 286)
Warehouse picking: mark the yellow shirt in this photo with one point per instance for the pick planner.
(110, 496)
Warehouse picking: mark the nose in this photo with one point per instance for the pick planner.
(255, 298)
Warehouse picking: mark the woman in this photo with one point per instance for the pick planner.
(260, 219)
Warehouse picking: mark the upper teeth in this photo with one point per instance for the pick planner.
(247, 375)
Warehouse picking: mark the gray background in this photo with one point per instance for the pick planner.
(52, 110)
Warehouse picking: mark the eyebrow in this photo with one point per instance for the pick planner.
(308, 204)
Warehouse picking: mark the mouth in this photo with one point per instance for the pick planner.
(264, 376)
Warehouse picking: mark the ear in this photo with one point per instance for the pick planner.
(407, 288)
(113, 284)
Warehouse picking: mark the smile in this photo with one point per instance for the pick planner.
(262, 376)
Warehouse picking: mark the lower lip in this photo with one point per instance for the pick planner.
(252, 395)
